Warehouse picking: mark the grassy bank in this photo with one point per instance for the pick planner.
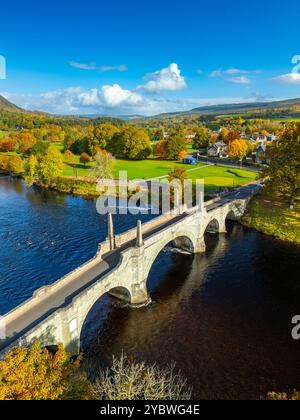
(272, 216)
(78, 179)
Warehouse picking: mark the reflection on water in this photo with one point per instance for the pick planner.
(43, 236)
(223, 317)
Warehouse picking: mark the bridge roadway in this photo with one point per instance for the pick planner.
(63, 296)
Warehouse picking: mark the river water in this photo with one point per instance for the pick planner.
(223, 317)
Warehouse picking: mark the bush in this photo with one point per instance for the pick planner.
(127, 380)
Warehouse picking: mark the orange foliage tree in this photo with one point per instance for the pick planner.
(161, 149)
(238, 149)
(36, 374)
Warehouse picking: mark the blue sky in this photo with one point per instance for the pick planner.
(134, 57)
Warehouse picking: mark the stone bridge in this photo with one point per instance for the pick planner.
(56, 313)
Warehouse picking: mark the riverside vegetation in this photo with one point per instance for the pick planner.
(38, 374)
(277, 211)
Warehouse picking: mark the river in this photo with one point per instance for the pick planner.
(223, 317)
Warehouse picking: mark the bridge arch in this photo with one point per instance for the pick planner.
(213, 226)
(88, 321)
(183, 241)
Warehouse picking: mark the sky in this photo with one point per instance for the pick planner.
(147, 57)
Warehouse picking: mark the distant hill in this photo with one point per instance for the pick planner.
(247, 106)
(5, 105)
(236, 108)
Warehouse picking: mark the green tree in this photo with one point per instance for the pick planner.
(131, 143)
(103, 135)
(203, 138)
(51, 166)
(284, 169)
(175, 145)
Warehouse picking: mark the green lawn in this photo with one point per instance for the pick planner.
(215, 177)
(220, 176)
(273, 217)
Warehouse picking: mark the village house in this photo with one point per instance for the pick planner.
(261, 156)
(219, 149)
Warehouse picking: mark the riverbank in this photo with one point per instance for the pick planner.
(273, 217)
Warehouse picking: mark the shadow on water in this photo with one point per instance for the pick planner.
(220, 316)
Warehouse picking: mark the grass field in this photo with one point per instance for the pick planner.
(273, 217)
(215, 177)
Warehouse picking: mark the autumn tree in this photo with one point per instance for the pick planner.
(130, 143)
(104, 168)
(25, 142)
(161, 149)
(232, 136)
(223, 134)
(284, 168)
(84, 158)
(202, 138)
(178, 174)
(30, 170)
(238, 149)
(103, 135)
(36, 374)
(8, 144)
(4, 160)
(175, 145)
(15, 165)
(69, 157)
(50, 166)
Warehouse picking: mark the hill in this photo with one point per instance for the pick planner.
(240, 108)
(5, 105)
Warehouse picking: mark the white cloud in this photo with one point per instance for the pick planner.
(289, 78)
(234, 71)
(92, 66)
(240, 80)
(114, 96)
(199, 71)
(107, 99)
(114, 100)
(167, 79)
(234, 75)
